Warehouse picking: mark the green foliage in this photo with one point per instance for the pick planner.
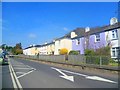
(63, 51)
(89, 52)
(73, 52)
(17, 49)
(94, 57)
(104, 51)
(14, 50)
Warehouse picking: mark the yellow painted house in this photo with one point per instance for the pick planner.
(50, 48)
(46, 49)
(34, 50)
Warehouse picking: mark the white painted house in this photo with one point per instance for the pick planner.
(113, 37)
(27, 51)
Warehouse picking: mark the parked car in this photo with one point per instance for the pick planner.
(3, 59)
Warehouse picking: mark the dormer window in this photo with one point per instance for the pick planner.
(97, 37)
(114, 34)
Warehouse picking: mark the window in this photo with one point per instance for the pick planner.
(97, 39)
(77, 41)
(114, 34)
(115, 51)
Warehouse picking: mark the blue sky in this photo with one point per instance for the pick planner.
(36, 23)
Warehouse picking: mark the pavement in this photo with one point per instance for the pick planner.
(32, 74)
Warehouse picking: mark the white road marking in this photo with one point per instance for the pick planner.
(17, 65)
(17, 81)
(23, 68)
(26, 73)
(99, 79)
(71, 78)
(71, 72)
(29, 66)
(13, 81)
(87, 76)
(20, 72)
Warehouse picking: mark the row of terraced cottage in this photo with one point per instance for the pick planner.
(82, 38)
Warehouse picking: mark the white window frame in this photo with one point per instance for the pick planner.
(116, 51)
(97, 38)
(114, 32)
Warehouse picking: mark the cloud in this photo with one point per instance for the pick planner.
(32, 35)
(65, 29)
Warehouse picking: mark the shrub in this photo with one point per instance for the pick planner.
(104, 51)
(63, 51)
(73, 52)
(89, 52)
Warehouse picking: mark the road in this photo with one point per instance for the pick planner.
(31, 74)
(5, 77)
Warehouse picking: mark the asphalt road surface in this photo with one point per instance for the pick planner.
(36, 75)
(5, 77)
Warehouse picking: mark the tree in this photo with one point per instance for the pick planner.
(63, 51)
(18, 46)
(17, 49)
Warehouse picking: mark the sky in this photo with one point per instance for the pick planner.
(39, 22)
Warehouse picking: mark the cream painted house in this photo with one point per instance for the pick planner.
(63, 42)
(46, 49)
(50, 48)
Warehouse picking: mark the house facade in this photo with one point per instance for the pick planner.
(113, 38)
(32, 50)
(94, 38)
(88, 41)
(64, 42)
(47, 49)
(27, 51)
(81, 39)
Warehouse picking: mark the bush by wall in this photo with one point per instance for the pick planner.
(63, 51)
(104, 51)
(73, 52)
(89, 52)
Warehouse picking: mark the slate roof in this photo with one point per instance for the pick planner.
(28, 47)
(81, 32)
(47, 44)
